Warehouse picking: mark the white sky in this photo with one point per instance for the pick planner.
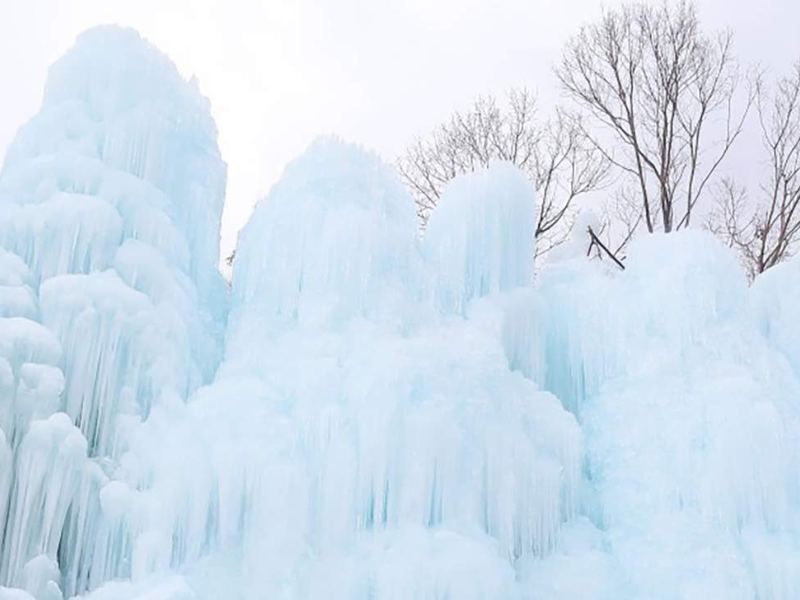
(378, 72)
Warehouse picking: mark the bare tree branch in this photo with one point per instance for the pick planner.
(767, 231)
(654, 87)
(561, 161)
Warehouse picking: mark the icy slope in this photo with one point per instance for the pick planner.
(110, 302)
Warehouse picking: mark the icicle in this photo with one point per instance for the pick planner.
(47, 475)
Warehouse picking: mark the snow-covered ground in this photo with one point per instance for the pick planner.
(365, 414)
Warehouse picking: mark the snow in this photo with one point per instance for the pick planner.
(367, 413)
(14, 594)
(173, 588)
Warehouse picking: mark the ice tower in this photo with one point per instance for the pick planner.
(110, 299)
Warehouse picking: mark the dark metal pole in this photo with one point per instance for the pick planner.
(596, 240)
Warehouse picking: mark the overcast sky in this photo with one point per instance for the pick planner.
(378, 72)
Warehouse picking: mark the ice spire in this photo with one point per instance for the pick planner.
(110, 200)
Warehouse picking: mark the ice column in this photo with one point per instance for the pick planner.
(111, 302)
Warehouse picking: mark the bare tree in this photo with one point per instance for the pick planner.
(622, 218)
(766, 230)
(555, 154)
(655, 87)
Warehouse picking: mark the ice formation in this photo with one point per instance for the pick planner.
(110, 300)
(373, 446)
(371, 415)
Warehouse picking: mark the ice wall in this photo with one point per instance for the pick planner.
(110, 299)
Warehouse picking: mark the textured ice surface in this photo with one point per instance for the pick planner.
(388, 417)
